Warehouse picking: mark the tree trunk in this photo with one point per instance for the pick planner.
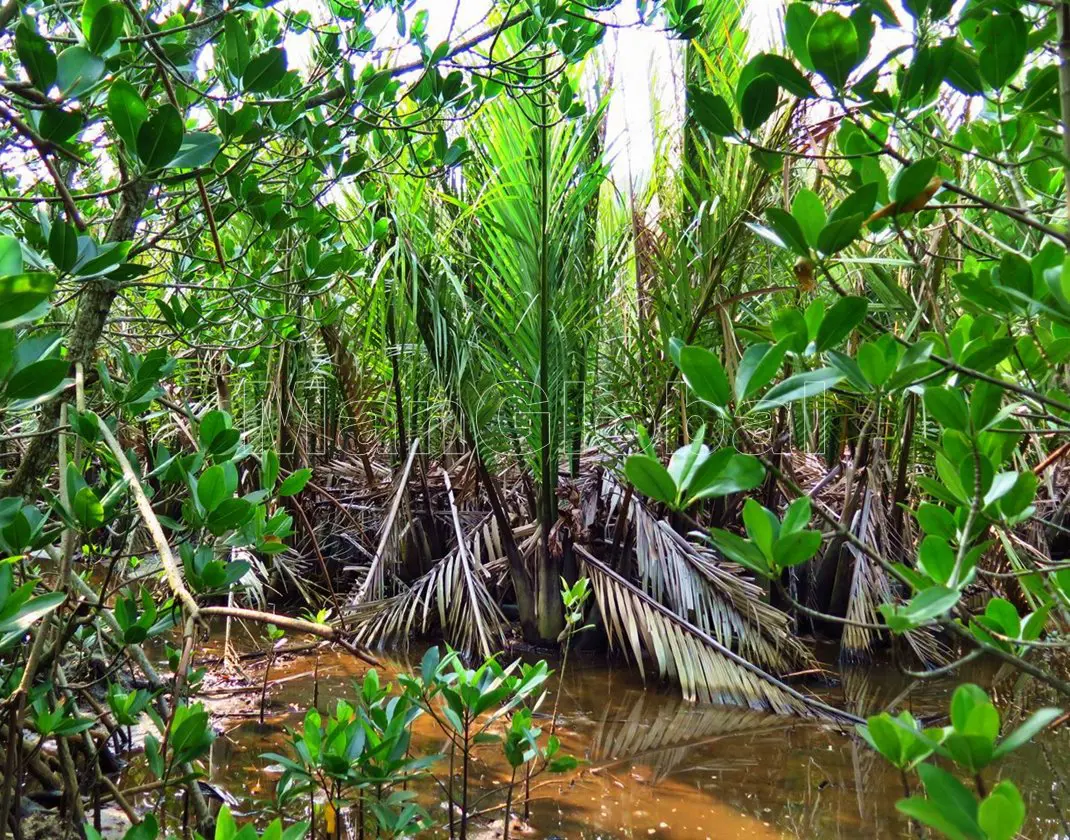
(345, 369)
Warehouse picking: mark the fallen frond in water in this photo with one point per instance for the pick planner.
(711, 593)
(705, 669)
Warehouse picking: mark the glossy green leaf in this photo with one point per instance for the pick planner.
(711, 111)
(948, 407)
(846, 314)
(22, 296)
(159, 138)
(106, 28)
(797, 387)
(36, 56)
(63, 245)
(127, 111)
(705, 375)
(295, 482)
(758, 101)
(832, 44)
(37, 379)
(77, 70)
(650, 478)
(265, 71)
(198, 149)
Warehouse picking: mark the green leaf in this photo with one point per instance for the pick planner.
(37, 379)
(955, 799)
(936, 559)
(160, 138)
(230, 514)
(911, 181)
(936, 521)
(948, 407)
(705, 375)
(799, 386)
(786, 227)
(846, 314)
(30, 612)
(686, 460)
(757, 368)
(269, 470)
(36, 57)
(235, 45)
(59, 125)
(22, 295)
(10, 259)
(212, 487)
(725, 471)
(127, 111)
(1004, 47)
(809, 212)
(1025, 733)
(1002, 813)
(859, 203)
(931, 603)
(295, 482)
(784, 73)
(876, 362)
(928, 813)
(793, 549)
(838, 234)
(198, 149)
(832, 44)
(77, 70)
(797, 516)
(762, 526)
(265, 71)
(63, 245)
(106, 28)
(650, 478)
(711, 111)
(799, 19)
(740, 551)
(758, 101)
(87, 509)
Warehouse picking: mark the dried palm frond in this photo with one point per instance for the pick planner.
(454, 592)
(705, 669)
(871, 585)
(712, 594)
(452, 596)
(389, 548)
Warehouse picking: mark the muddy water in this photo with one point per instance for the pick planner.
(658, 767)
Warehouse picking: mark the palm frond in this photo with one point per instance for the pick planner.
(453, 596)
(388, 550)
(705, 669)
(694, 583)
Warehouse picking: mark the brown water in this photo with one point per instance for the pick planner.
(658, 767)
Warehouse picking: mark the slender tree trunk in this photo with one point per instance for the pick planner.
(94, 307)
(550, 610)
(345, 369)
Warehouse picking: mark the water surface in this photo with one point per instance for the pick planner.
(659, 767)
